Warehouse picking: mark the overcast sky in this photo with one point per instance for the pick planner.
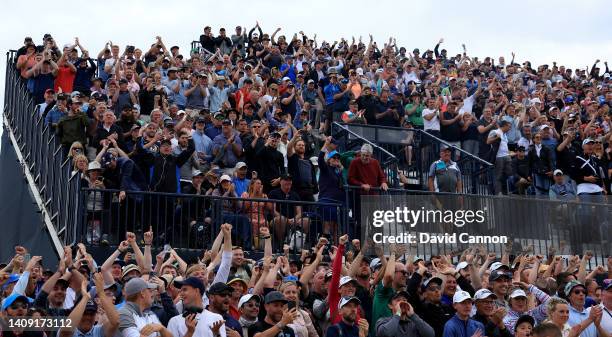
(573, 33)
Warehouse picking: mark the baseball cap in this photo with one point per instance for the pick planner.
(310, 81)
(607, 284)
(275, 296)
(286, 176)
(558, 172)
(401, 293)
(286, 79)
(498, 265)
(91, 306)
(11, 279)
(193, 282)
(484, 294)
(219, 288)
(348, 299)
(496, 274)
(14, 297)
(587, 141)
(525, 318)
(200, 119)
(426, 283)
(225, 177)
(460, 296)
(136, 285)
(248, 297)
(130, 267)
(49, 91)
(518, 293)
(461, 265)
(332, 154)
(571, 285)
(345, 280)
(238, 279)
(375, 263)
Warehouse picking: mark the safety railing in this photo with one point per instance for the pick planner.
(45, 158)
(415, 150)
(349, 140)
(509, 224)
(192, 221)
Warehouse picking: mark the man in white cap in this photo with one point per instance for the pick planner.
(249, 311)
(135, 317)
(561, 189)
(461, 325)
(349, 326)
(492, 318)
(241, 183)
(518, 305)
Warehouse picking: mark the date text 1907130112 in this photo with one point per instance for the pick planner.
(25, 323)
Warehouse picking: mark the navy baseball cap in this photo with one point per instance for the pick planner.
(193, 282)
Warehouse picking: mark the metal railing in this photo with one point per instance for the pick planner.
(352, 141)
(477, 174)
(45, 158)
(192, 221)
(533, 226)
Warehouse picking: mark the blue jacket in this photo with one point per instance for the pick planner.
(456, 327)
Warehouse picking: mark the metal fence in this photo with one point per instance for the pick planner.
(533, 226)
(415, 150)
(48, 164)
(192, 221)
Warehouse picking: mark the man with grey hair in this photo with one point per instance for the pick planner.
(135, 317)
(366, 172)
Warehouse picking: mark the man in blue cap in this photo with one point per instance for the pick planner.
(276, 319)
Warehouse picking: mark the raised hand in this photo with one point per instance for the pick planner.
(131, 237)
(363, 327)
(148, 236)
(216, 326)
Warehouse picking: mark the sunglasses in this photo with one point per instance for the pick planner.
(433, 288)
(578, 292)
(250, 305)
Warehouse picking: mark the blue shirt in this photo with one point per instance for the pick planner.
(53, 116)
(229, 159)
(217, 97)
(96, 331)
(241, 185)
(330, 90)
(203, 143)
(290, 73)
(456, 327)
(212, 132)
(576, 317)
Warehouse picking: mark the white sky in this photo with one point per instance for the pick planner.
(573, 33)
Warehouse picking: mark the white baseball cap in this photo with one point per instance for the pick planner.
(248, 297)
(346, 279)
(225, 177)
(518, 293)
(483, 294)
(497, 265)
(461, 265)
(461, 296)
(347, 299)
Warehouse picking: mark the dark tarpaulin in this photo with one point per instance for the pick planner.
(20, 221)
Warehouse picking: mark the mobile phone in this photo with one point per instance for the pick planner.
(152, 274)
(27, 257)
(291, 305)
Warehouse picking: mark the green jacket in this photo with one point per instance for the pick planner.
(72, 129)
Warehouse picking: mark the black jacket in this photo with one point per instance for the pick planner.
(491, 330)
(541, 164)
(520, 168)
(435, 315)
(165, 170)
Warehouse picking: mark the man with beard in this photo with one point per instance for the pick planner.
(253, 144)
(195, 320)
(301, 169)
(249, 311)
(429, 305)
(361, 272)
(53, 293)
(369, 103)
(349, 326)
(219, 297)
(277, 318)
(126, 121)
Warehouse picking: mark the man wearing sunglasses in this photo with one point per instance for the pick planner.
(17, 305)
(518, 304)
(219, 296)
(575, 292)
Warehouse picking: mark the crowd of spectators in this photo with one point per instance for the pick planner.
(249, 116)
(334, 291)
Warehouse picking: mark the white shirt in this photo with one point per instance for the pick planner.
(205, 320)
(434, 123)
(468, 105)
(538, 148)
(503, 143)
(524, 142)
(606, 319)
